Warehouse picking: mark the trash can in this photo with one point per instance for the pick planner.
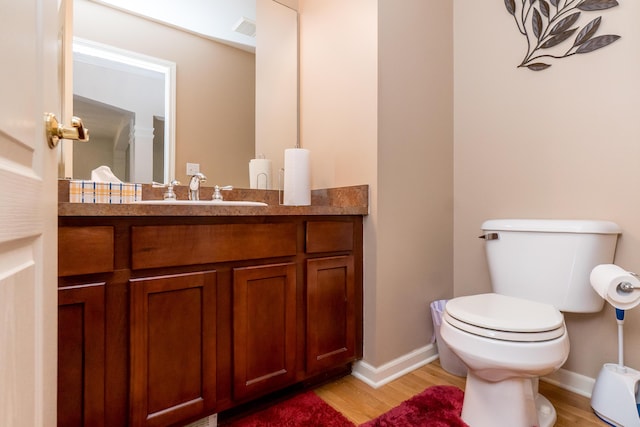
(449, 361)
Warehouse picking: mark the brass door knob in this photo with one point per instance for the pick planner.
(56, 131)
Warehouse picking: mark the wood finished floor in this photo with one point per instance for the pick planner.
(360, 403)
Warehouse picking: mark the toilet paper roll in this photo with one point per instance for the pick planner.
(605, 279)
(297, 177)
(260, 174)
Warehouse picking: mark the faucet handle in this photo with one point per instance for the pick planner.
(169, 194)
(217, 195)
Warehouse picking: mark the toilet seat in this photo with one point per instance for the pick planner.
(505, 318)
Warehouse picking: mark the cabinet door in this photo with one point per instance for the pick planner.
(81, 335)
(173, 348)
(330, 312)
(264, 328)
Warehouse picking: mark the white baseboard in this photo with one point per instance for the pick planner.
(377, 377)
(577, 383)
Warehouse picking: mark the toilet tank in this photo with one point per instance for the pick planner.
(549, 260)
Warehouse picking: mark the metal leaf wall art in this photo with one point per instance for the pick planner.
(549, 27)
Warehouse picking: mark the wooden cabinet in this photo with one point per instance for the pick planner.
(173, 348)
(165, 320)
(264, 329)
(332, 297)
(82, 324)
(81, 344)
(331, 329)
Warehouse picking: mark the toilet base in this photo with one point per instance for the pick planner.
(512, 402)
(546, 412)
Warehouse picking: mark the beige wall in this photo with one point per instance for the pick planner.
(376, 108)
(215, 101)
(560, 143)
(415, 181)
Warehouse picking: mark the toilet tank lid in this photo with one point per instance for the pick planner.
(552, 226)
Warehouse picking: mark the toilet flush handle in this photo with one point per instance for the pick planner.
(490, 236)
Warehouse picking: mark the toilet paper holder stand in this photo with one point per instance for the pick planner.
(616, 393)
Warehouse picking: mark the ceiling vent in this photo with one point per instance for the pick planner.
(245, 26)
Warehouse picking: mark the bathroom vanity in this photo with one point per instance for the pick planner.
(168, 314)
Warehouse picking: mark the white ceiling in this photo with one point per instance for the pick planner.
(214, 19)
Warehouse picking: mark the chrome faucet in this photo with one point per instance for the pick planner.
(194, 185)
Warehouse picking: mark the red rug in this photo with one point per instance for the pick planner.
(438, 406)
(305, 409)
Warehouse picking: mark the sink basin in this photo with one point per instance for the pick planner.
(201, 202)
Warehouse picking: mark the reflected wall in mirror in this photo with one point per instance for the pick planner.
(276, 82)
(215, 107)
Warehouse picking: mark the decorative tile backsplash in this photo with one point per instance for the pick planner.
(81, 191)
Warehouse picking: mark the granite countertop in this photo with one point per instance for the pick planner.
(352, 200)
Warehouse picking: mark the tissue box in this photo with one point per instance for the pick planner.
(81, 191)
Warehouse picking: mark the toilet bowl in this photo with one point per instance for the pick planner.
(506, 343)
(539, 268)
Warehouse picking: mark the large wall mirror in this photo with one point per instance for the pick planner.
(187, 97)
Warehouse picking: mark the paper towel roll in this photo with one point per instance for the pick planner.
(260, 174)
(297, 177)
(605, 279)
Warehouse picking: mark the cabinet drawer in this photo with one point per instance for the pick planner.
(85, 250)
(329, 236)
(175, 245)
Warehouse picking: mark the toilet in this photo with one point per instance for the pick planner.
(510, 337)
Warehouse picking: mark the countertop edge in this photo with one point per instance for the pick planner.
(353, 200)
(96, 209)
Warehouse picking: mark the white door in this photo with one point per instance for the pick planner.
(29, 86)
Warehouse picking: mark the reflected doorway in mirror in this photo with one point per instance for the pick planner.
(127, 131)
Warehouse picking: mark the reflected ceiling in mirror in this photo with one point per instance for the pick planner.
(228, 21)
